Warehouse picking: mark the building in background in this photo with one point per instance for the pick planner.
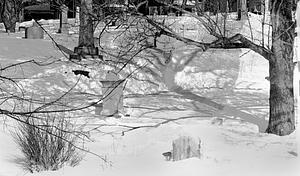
(47, 10)
(151, 7)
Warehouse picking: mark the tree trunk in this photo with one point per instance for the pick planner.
(282, 117)
(63, 20)
(9, 15)
(86, 29)
(21, 16)
(242, 9)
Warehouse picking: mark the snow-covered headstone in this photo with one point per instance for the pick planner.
(112, 95)
(185, 147)
(98, 108)
(34, 32)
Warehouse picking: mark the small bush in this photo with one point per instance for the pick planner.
(46, 144)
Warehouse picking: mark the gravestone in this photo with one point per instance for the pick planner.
(34, 32)
(98, 108)
(112, 91)
(185, 147)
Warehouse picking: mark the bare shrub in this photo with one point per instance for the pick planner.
(47, 144)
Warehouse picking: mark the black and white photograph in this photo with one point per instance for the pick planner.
(149, 87)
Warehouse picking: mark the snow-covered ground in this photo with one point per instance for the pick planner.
(232, 148)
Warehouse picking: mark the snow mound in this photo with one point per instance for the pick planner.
(253, 72)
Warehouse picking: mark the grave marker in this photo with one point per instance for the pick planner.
(34, 32)
(112, 95)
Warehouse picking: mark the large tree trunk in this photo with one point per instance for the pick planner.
(9, 15)
(86, 29)
(86, 44)
(282, 117)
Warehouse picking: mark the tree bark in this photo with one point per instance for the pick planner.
(63, 20)
(282, 117)
(86, 44)
(242, 9)
(86, 29)
(9, 15)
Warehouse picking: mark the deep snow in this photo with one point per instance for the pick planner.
(234, 147)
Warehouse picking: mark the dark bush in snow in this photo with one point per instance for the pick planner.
(47, 144)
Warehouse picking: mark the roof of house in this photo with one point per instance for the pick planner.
(39, 7)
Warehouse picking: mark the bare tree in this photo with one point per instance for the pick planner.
(140, 47)
(282, 115)
(86, 30)
(33, 111)
(279, 53)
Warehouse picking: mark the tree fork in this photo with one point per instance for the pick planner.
(280, 57)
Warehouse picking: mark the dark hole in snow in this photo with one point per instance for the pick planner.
(167, 155)
(81, 72)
